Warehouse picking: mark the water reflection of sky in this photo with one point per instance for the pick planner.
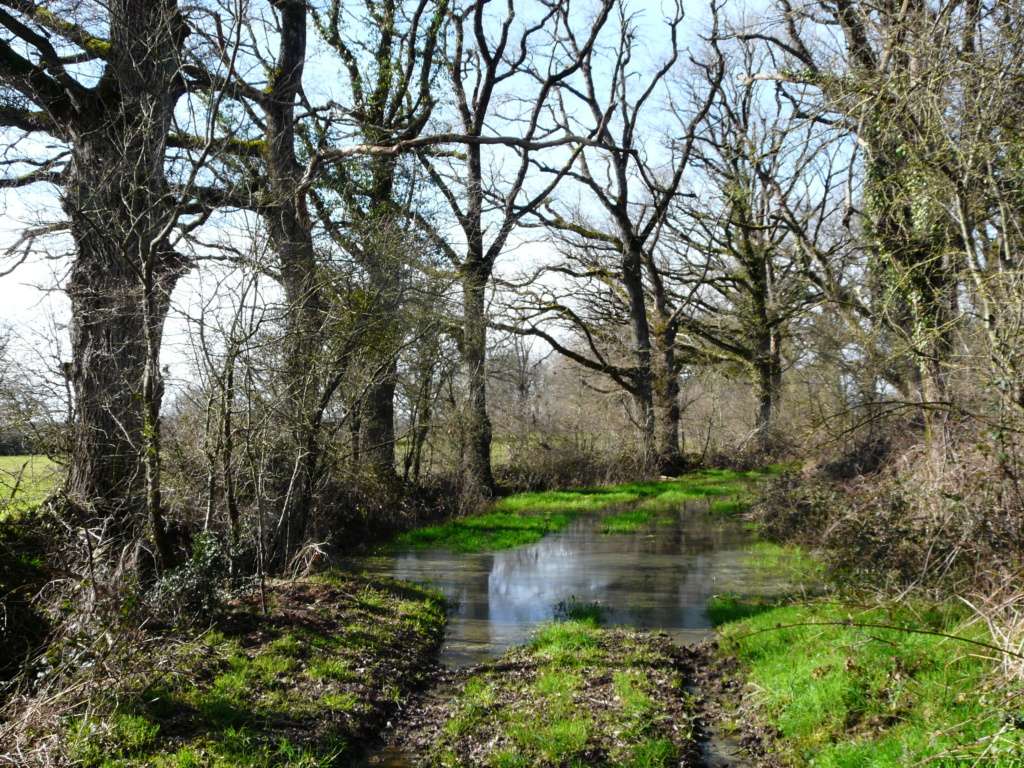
(660, 578)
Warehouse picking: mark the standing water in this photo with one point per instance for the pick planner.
(659, 577)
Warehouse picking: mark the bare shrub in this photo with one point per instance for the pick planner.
(563, 463)
(1003, 613)
(791, 508)
(917, 520)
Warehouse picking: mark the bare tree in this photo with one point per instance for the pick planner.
(486, 56)
(744, 246)
(634, 185)
(388, 50)
(104, 83)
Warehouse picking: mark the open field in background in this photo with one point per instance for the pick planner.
(25, 482)
(526, 517)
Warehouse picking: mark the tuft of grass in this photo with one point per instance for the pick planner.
(574, 610)
(527, 517)
(726, 608)
(771, 560)
(843, 694)
(576, 695)
(569, 643)
(629, 521)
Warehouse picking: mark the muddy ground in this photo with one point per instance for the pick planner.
(726, 732)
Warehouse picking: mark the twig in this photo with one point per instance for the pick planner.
(864, 625)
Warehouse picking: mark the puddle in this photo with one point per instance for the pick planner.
(660, 577)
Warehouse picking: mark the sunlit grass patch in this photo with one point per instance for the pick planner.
(492, 530)
(629, 521)
(576, 695)
(527, 517)
(772, 560)
(728, 506)
(567, 643)
(25, 482)
(846, 687)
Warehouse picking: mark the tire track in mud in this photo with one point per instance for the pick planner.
(710, 685)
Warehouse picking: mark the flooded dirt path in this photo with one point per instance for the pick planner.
(659, 577)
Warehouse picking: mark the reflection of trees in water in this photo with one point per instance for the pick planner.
(660, 578)
(530, 580)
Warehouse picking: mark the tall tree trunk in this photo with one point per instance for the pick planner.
(303, 323)
(379, 422)
(767, 382)
(936, 397)
(666, 406)
(643, 382)
(382, 255)
(290, 231)
(478, 434)
(116, 200)
(915, 256)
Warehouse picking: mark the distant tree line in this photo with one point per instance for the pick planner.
(14, 443)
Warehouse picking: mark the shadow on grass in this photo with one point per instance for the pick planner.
(722, 609)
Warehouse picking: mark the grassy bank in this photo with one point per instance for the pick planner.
(898, 683)
(577, 695)
(525, 518)
(302, 686)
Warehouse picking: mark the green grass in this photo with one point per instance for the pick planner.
(576, 695)
(852, 686)
(294, 690)
(727, 507)
(630, 521)
(846, 696)
(574, 610)
(770, 560)
(491, 531)
(25, 482)
(796, 574)
(655, 499)
(527, 517)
